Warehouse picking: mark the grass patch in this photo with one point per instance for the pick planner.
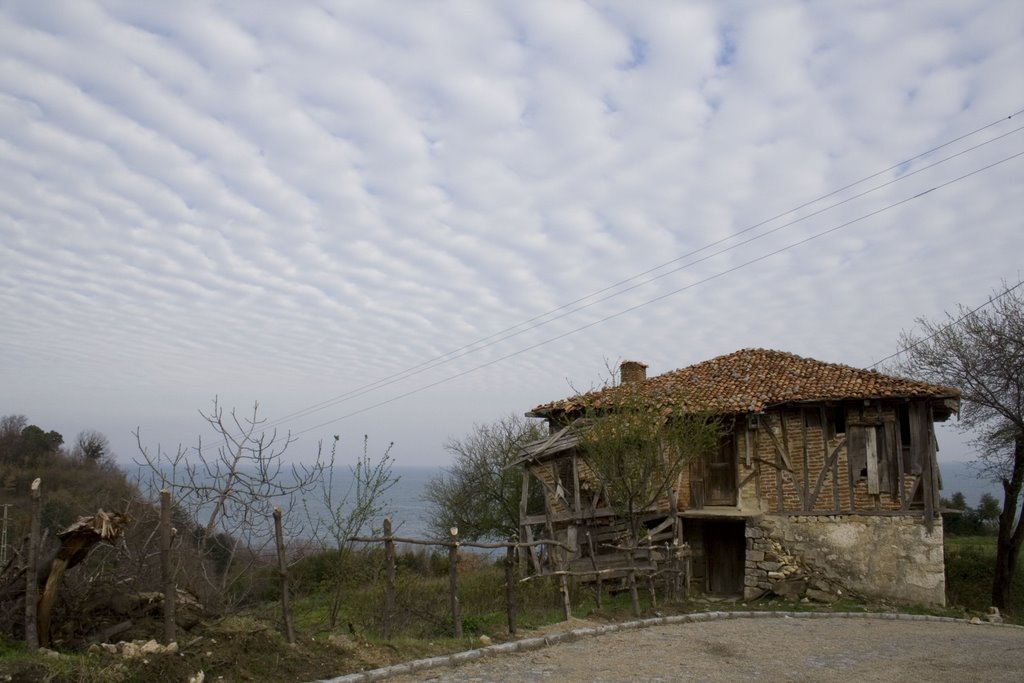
(969, 572)
(248, 646)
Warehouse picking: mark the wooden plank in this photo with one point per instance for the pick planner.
(929, 476)
(871, 451)
(851, 480)
(903, 499)
(919, 436)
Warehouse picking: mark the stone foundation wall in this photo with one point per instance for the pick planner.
(819, 555)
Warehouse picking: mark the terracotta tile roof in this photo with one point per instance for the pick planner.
(752, 380)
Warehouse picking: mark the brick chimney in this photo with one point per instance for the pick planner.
(631, 371)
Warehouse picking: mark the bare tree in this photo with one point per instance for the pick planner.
(479, 494)
(92, 446)
(981, 352)
(229, 489)
(345, 511)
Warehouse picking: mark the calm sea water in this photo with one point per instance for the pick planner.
(403, 502)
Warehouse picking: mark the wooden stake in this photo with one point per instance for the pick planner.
(31, 572)
(453, 569)
(389, 588)
(166, 567)
(510, 583)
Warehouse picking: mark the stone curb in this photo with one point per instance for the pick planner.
(536, 643)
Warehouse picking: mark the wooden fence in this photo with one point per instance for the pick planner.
(675, 572)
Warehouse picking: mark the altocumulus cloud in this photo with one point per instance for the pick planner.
(290, 201)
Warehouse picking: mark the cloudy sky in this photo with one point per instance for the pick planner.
(401, 218)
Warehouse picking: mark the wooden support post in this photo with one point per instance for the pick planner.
(593, 562)
(577, 507)
(511, 583)
(651, 589)
(31, 571)
(532, 551)
(167, 567)
(524, 498)
(282, 566)
(670, 565)
(563, 586)
(453, 568)
(389, 588)
(900, 468)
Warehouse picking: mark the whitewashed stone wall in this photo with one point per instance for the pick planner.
(891, 557)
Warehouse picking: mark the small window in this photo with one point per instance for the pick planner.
(839, 419)
(836, 418)
(903, 412)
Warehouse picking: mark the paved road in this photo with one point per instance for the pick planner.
(763, 649)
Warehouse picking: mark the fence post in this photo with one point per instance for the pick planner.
(286, 603)
(510, 582)
(31, 572)
(389, 588)
(166, 567)
(453, 562)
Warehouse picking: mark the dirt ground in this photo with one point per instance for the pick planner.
(766, 649)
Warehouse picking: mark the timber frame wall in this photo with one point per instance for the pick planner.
(835, 460)
(852, 458)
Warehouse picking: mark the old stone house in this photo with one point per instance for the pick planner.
(826, 479)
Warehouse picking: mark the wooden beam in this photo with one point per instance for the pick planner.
(782, 449)
(807, 466)
(830, 464)
(576, 488)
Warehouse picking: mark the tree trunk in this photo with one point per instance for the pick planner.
(282, 564)
(634, 544)
(1010, 538)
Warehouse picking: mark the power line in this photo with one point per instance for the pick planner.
(666, 295)
(571, 307)
(942, 329)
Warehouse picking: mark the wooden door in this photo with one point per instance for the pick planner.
(720, 473)
(724, 549)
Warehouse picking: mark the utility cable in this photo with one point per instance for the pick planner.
(664, 296)
(570, 307)
(945, 327)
